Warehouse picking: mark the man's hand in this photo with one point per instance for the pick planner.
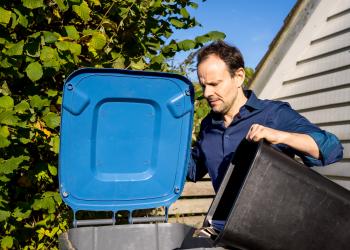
(258, 132)
(300, 142)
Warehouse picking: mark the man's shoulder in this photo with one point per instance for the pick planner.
(274, 104)
(263, 104)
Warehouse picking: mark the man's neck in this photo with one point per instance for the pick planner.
(234, 110)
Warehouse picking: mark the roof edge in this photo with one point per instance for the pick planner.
(293, 24)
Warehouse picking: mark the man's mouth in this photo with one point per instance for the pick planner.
(213, 102)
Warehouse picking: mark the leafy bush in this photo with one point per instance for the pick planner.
(41, 43)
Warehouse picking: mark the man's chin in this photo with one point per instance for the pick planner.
(216, 110)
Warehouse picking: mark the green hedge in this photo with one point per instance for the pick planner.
(41, 43)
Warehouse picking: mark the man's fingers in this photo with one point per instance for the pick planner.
(255, 133)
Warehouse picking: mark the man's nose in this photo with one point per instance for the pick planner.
(207, 91)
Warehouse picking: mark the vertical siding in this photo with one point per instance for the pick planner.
(318, 84)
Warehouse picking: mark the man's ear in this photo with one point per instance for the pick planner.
(240, 76)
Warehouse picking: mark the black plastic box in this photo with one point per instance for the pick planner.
(270, 201)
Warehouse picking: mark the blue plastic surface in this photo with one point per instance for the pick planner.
(125, 139)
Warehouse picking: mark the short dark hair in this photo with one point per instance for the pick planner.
(229, 54)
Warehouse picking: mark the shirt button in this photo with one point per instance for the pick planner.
(227, 136)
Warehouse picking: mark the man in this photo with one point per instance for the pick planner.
(237, 114)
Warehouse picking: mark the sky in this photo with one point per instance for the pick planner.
(249, 25)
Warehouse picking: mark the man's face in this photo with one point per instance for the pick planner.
(219, 88)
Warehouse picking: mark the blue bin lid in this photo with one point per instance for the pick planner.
(125, 139)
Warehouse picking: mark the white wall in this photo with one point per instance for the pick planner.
(314, 77)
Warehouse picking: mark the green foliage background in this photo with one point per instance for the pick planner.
(41, 43)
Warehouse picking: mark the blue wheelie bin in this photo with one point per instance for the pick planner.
(125, 146)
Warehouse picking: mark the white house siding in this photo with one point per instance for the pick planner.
(314, 76)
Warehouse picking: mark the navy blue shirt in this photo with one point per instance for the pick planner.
(217, 145)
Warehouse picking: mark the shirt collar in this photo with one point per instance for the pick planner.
(252, 103)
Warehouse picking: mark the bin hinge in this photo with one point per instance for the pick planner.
(133, 220)
(94, 222)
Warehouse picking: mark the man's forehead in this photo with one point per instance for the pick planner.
(212, 69)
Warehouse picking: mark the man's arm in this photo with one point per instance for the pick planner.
(196, 166)
(196, 169)
(300, 142)
(285, 126)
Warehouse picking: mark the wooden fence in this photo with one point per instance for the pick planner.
(193, 204)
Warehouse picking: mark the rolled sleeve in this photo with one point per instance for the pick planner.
(330, 148)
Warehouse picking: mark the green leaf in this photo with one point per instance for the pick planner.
(46, 203)
(61, 5)
(169, 48)
(158, 59)
(216, 35)
(7, 242)
(177, 23)
(50, 37)
(3, 40)
(4, 89)
(10, 165)
(33, 4)
(4, 131)
(37, 102)
(153, 46)
(19, 215)
(5, 16)
(34, 71)
(139, 65)
(59, 100)
(24, 140)
(75, 1)
(8, 118)
(95, 2)
(55, 144)
(202, 39)
(186, 44)
(14, 21)
(119, 62)
(72, 32)
(52, 120)
(52, 92)
(123, 12)
(74, 48)
(22, 20)
(5, 64)
(194, 5)
(4, 142)
(35, 35)
(184, 13)
(50, 57)
(48, 53)
(4, 215)
(57, 197)
(52, 170)
(22, 107)
(4, 179)
(98, 41)
(62, 45)
(6, 102)
(83, 11)
(15, 49)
